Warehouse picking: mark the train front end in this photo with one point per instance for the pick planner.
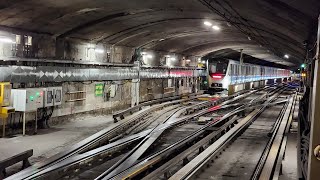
(218, 80)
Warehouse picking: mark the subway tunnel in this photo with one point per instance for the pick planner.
(192, 89)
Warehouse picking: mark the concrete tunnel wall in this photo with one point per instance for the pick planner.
(148, 89)
(47, 47)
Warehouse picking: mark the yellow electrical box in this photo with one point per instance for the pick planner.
(5, 111)
(5, 92)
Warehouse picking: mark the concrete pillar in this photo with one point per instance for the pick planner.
(248, 85)
(279, 80)
(231, 89)
(256, 84)
(135, 94)
(270, 81)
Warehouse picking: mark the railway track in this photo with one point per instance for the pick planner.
(97, 156)
(242, 152)
(95, 141)
(146, 164)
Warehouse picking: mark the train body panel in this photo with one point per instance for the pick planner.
(223, 72)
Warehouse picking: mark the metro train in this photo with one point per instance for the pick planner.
(225, 72)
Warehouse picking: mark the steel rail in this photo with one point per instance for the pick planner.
(78, 161)
(107, 174)
(278, 166)
(182, 158)
(98, 139)
(127, 174)
(133, 156)
(166, 169)
(149, 103)
(266, 171)
(84, 160)
(81, 147)
(197, 163)
(265, 152)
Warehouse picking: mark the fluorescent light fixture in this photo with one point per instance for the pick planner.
(6, 40)
(149, 56)
(173, 59)
(199, 59)
(203, 62)
(100, 51)
(217, 28)
(91, 46)
(188, 60)
(286, 56)
(207, 23)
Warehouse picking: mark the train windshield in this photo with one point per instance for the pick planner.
(218, 68)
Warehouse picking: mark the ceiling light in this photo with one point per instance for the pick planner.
(249, 38)
(207, 23)
(228, 24)
(6, 40)
(217, 28)
(203, 62)
(199, 59)
(100, 51)
(188, 60)
(173, 59)
(149, 56)
(91, 46)
(286, 56)
(143, 53)
(161, 40)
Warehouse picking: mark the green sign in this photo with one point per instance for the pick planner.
(99, 89)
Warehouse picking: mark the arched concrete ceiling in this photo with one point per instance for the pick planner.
(275, 27)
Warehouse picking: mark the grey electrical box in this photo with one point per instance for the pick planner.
(48, 97)
(57, 96)
(27, 100)
(53, 96)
